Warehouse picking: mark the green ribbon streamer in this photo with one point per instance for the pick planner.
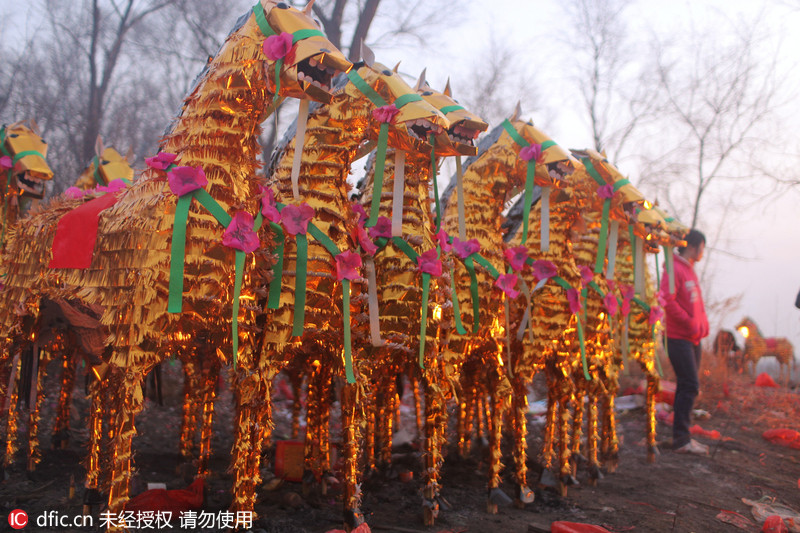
(261, 20)
(178, 253)
(404, 99)
(237, 289)
(348, 356)
(456, 311)
(603, 238)
(435, 184)
(380, 164)
(519, 139)
(300, 284)
(487, 265)
(366, 89)
(655, 355)
(584, 363)
(473, 290)
(426, 282)
(98, 178)
(450, 108)
(277, 270)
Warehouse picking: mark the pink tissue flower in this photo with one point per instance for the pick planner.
(385, 113)
(465, 249)
(113, 186)
(574, 298)
(587, 274)
(611, 303)
(74, 193)
(612, 285)
(268, 206)
(359, 210)
(184, 180)
(347, 265)
(656, 313)
(429, 263)
(605, 191)
(543, 269)
(239, 234)
(443, 240)
(531, 152)
(295, 218)
(627, 292)
(6, 162)
(516, 256)
(382, 228)
(161, 161)
(364, 241)
(507, 282)
(277, 46)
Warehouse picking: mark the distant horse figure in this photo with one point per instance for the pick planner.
(757, 346)
(727, 351)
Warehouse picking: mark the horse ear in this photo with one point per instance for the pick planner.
(367, 55)
(517, 112)
(447, 91)
(396, 67)
(421, 80)
(129, 156)
(307, 9)
(35, 127)
(98, 147)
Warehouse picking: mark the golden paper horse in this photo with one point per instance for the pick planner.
(757, 346)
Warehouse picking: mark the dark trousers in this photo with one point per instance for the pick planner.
(685, 359)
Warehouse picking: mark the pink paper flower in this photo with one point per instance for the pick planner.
(6, 162)
(627, 292)
(364, 241)
(295, 218)
(161, 161)
(268, 206)
(385, 113)
(656, 313)
(74, 193)
(574, 298)
(277, 46)
(506, 283)
(605, 191)
(359, 210)
(465, 249)
(516, 256)
(184, 180)
(611, 303)
(612, 285)
(587, 275)
(429, 263)
(443, 240)
(382, 228)
(347, 265)
(531, 152)
(113, 186)
(543, 269)
(239, 234)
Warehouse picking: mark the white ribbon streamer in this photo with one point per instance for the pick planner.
(299, 142)
(397, 193)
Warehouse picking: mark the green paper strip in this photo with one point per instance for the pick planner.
(456, 311)
(487, 265)
(348, 356)
(277, 270)
(562, 282)
(237, 289)
(592, 171)
(450, 108)
(583, 350)
(668, 260)
(380, 164)
(585, 296)
(655, 355)
(519, 139)
(299, 35)
(526, 212)
(603, 238)
(365, 88)
(658, 272)
(324, 240)
(621, 183)
(300, 285)
(405, 248)
(473, 290)
(216, 210)
(98, 178)
(404, 99)
(548, 144)
(426, 282)
(178, 253)
(641, 303)
(261, 20)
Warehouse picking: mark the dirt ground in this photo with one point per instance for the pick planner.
(677, 493)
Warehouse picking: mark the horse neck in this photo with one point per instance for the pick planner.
(219, 124)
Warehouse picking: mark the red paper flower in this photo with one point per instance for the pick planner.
(531, 152)
(587, 274)
(74, 192)
(362, 238)
(239, 234)
(506, 283)
(656, 313)
(359, 210)
(543, 269)
(382, 228)
(268, 207)
(385, 113)
(516, 256)
(161, 160)
(465, 249)
(605, 191)
(277, 46)
(347, 265)
(6, 162)
(611, 303)
(295, 218)
(574, 298)
(444, 242)
(184, 180)
(429, 263)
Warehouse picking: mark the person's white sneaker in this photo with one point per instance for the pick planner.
(693, 447)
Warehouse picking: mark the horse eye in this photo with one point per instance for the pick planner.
(387, 72)
(281, 5)
(14, 135)
(105, 162)
(427, 93)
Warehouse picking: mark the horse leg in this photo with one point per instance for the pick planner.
(352, 396)
(36, 402)
(519, 400)
(208, 391)
(652, 389)
(60, 438)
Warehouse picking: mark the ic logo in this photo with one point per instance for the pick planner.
(18, 519)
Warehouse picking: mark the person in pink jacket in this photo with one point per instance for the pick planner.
(687, 325)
